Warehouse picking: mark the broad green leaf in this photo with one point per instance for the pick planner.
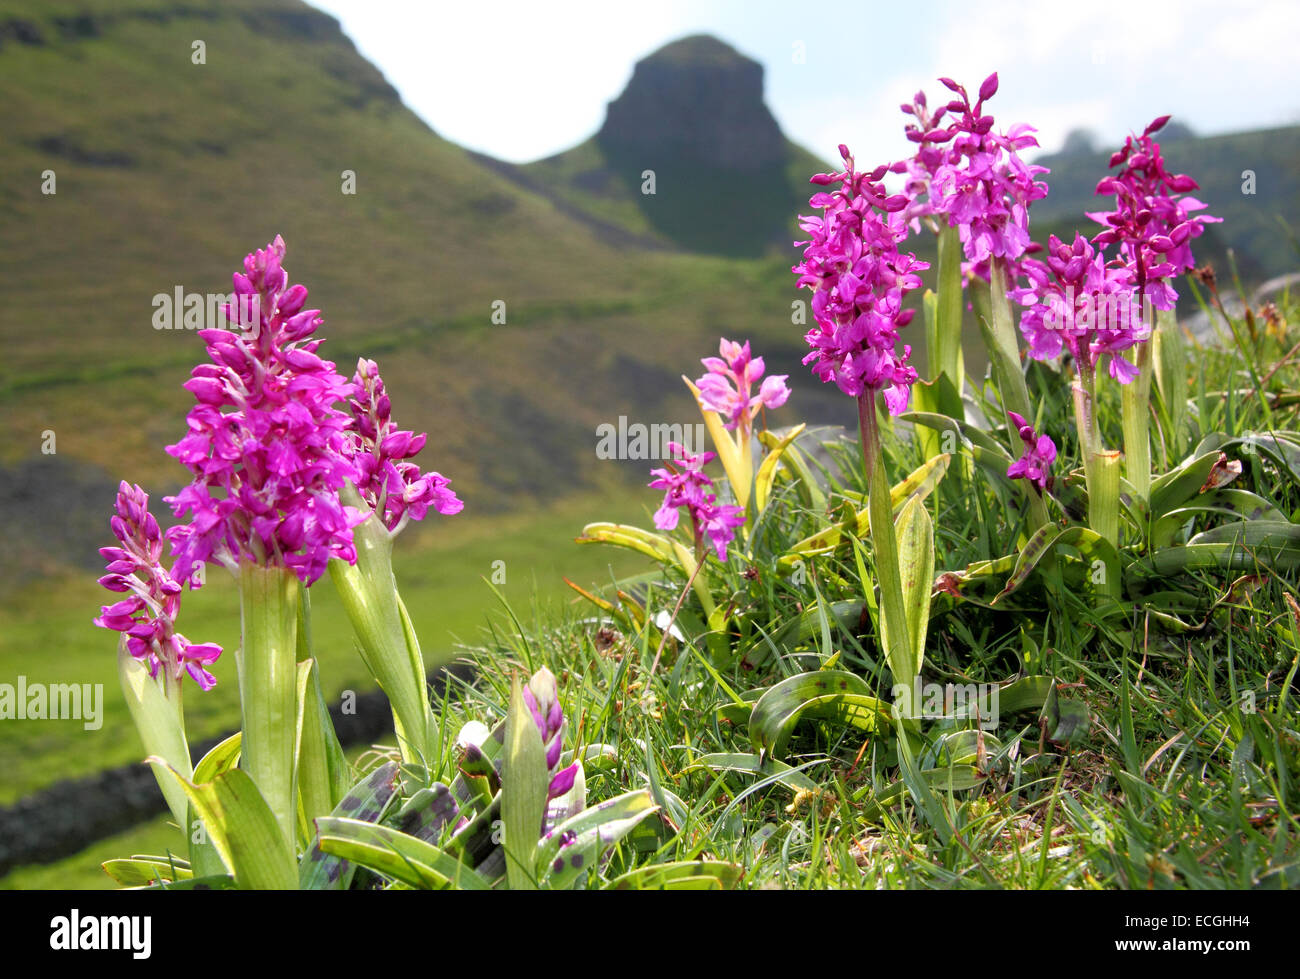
(159, 723)
(767, 470)
(395, 854)
(524, 781)
(623, 535)
(141, 871)
(1091, 545)
(1039, 543)
(915, 534)
(589, 834)
(322, 768)
(221, 758)
(1263, 535)
(751, 764)
(1182, 484)
(679, 875)
(366, 801)
(1237, 504)
(810, 491)
(244, 830)
(388, 647)
(795, 633)
(1029, 692)
(834, 694)
(1217, 556)
(919, 484)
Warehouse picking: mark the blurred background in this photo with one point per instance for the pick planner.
(535, 219)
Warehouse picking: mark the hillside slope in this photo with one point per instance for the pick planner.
(167, 172)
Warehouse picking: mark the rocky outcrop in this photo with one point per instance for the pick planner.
(696, 99)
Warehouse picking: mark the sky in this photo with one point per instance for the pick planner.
(524, 80)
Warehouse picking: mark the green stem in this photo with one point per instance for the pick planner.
(1135, 403)
(268, 686)
(1004, 356)
(1090, 447)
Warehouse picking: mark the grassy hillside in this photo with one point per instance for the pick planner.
(167, 172)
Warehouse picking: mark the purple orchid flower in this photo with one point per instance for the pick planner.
(148, 617)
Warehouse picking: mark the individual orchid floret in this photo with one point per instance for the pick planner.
(686, 486)
(982, 186)
(1152, 221)
(1076, 302)
(266, 443)
(859, 279)
(394, 488)
(728, 387)
(1040, 452)
(147, 618)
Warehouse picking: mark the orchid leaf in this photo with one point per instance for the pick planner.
(680, 875)
(243, 829)
(367, 801)
(749, 763)
(767, 470)
(524, 782)
(577, 844)
(842, 697)
(395, 854)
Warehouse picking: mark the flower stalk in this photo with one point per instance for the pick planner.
(1135, 406)
(268, 690)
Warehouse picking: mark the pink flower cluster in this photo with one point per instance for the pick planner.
(687, 487)
(148, 616)
(1075, 301)
(1040, 452)
(1151, 223)
(266, 444)
(983, 185)
(394, 488)
(859, 278)
(728, 385)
